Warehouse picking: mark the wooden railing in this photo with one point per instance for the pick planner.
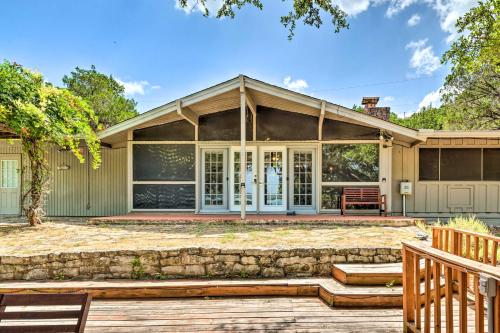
(430, 301)
(467, 244)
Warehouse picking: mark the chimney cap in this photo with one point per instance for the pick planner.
(370, 100)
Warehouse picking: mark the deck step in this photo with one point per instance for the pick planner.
(370, 274)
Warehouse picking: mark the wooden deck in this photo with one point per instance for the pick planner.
(329, 290)
(246, 314)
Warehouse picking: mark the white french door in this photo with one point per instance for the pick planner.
(272, 179)
(214, 179)
(251, 179)
(10, 184)
(302, 179)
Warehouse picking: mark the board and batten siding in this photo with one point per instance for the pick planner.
(441, 198)
(78, 190)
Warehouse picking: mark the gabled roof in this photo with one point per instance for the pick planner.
(256, 86)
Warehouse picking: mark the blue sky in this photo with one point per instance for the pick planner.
(161, 52)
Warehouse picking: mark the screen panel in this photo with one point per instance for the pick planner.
(340, 130)
(274, 124)
(460, 164)
(350, 163)
(167, 162)
(224, 126)
(181, 130)
(331, 197)
(491, 164)
(428, 164)
(164, 196)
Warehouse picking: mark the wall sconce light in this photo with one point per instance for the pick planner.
(63, 167)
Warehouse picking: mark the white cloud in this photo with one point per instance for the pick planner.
(196, 6)
(396, 6)
(388, 99)
(414, 20)
(353, 7)
(155, 87)
(433, 98)
(423, 59)
(133, 87)
(297, 85)
(449, 11)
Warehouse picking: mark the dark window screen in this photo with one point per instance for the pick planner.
(224, 126)
(164, 196)
(428, 165)
(180, 130)
(460, 164)
(340, 130)
(164, 162)
(273, 124)
(491, 164)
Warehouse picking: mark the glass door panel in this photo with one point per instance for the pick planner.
(302, 180)
(214, 177)
(272, 179)
(251, 185)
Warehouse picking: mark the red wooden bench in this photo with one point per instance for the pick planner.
(10, 321)
(363, 196)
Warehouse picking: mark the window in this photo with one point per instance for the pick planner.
(164, 162)
(428, 167)
(8, 174)
(491, 164)
(163, 176)
(459, 164)
(350, 163)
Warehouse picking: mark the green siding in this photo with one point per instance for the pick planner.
(80, 190)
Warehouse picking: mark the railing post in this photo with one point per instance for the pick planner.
(408, 289)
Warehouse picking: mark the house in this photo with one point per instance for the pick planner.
(300, 153)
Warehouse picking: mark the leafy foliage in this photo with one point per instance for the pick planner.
(307, 11)
(472, 89)
(39, 114)
(427, 117)
(103, 93)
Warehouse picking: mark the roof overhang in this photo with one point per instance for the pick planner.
(226, 95)
(425, 134)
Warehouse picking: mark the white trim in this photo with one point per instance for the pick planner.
(425, 134)
(130, 174)
(224, 180)
(350, 184)
(178, 182)
(232, 206)
(314, 181)
(283, 207)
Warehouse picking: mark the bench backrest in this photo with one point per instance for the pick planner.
(362, 194)
(79, 315)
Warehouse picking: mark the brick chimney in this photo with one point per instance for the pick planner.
(371, 108)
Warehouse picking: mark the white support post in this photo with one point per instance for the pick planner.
(243, 153)
(130, 186)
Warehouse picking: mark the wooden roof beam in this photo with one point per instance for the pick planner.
(187, 113)
(321, 119)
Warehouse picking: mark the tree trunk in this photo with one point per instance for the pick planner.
(38, 167)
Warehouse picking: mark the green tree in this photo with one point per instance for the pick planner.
(104, 94)
(307, 11)
(428, 118)
(41, 114)
(472, 89)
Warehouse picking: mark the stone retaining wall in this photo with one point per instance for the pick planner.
(189, 262)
